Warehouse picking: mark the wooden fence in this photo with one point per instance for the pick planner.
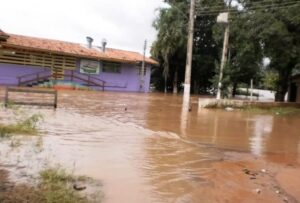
(30, 90)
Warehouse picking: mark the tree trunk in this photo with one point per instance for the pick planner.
(234, 89)
(175, 81)
(166, 84)
(281, 91)
(282, 86)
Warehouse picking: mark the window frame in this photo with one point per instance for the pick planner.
(113, 68)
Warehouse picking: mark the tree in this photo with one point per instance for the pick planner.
(206, 50)
(277, 29)
(270, 80)
(171, 26)
(245, 54)
(174, 20)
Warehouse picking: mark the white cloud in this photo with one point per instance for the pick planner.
(124, 23)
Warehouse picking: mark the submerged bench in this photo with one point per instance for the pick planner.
(30, 90)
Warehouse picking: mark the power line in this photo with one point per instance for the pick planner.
(263, 6)
(215, 12)
(253, 8)
(222, 5)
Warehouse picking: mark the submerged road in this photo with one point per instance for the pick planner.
(144, 150)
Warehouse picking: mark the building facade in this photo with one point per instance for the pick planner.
(30, 61)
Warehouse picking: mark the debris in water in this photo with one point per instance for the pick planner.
(78, 186)
(248, 172)
(264, 170)
(258, 191)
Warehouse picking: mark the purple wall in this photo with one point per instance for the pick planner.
(127, 80)
(10, 72)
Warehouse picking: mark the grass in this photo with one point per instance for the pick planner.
(282, 111)
(55, 186)
(254, 108)
(25, 127)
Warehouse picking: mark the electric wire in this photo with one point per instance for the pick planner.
(214, 12)
(222, 5)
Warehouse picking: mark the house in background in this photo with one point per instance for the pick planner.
(294, 89)
(31, 61)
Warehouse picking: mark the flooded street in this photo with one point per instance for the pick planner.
(144, 149)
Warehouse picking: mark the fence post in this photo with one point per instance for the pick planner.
(55, 99)
(6, 97)
(72, 75)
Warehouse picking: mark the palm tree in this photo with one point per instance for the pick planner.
(171, 25)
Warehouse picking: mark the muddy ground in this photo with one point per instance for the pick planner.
(238, 177)
(15, 193)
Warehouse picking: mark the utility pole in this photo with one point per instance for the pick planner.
(188, 67)
(142, 82)
(251, 91)
(223, 60)
(224, 54)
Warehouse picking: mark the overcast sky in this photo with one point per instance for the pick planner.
(124, 23)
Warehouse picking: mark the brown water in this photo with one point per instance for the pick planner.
(144, 149)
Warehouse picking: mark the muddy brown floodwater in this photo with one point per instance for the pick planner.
(144, 149)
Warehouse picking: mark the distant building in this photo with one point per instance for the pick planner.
(31, 61)
(294, 89)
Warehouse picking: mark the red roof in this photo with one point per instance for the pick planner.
(73, 49)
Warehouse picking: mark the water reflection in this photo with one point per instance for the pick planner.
(263, 126)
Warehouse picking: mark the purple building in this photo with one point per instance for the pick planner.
(30, 61)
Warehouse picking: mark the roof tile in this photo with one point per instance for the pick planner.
(75, 49)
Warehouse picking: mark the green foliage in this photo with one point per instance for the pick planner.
(270, 80)
(56, 186)
(272, 32)
(225, 81)
(277, 30)
(171, 39)
(54, 175)
(24, 127)
(279, 111)
(170, 46)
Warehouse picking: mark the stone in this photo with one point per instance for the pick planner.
(258, 191)
(263, 170)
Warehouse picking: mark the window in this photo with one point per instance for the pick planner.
(109, 67)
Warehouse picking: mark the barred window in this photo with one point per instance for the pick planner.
(109, 67)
